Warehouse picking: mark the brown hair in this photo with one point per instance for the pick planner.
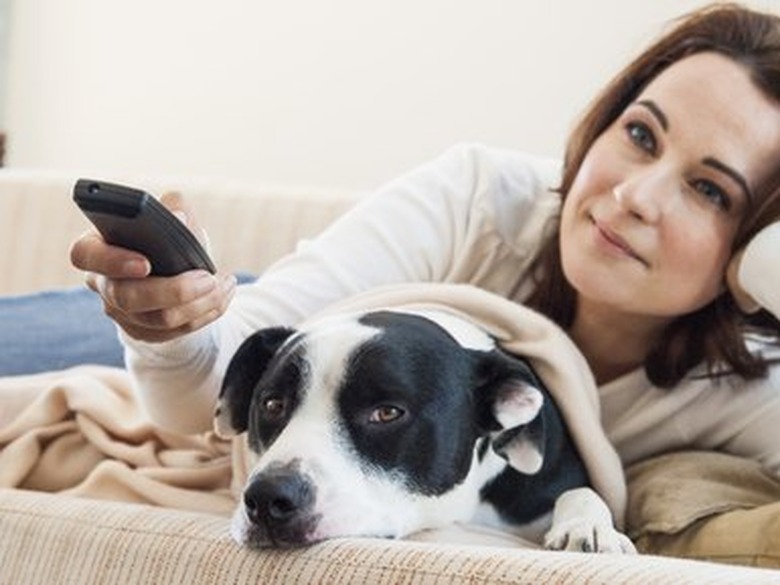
(714, 334)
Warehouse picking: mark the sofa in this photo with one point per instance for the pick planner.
(696, 518)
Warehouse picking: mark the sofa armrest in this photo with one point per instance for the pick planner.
(249, 225)
(56, 539)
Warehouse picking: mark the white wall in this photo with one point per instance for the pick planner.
(343, 93)
(4, 33)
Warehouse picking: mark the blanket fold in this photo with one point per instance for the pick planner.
(81, 431)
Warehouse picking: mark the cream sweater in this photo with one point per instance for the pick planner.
(473, 216)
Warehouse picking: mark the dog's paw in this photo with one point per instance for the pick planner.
(584, 536)
(582, 522)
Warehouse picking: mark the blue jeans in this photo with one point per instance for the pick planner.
(58, 329)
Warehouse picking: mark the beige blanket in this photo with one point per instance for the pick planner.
(81, 431)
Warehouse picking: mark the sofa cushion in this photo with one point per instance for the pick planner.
(55, 329)
(705, 505)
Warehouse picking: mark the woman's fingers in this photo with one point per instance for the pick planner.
(152, 308)
(167, 307)
(91, 253)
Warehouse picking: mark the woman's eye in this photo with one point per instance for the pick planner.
(642, 136)
(274, 408)
(385, 413)
(713, 193)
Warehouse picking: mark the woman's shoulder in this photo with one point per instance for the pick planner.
(517, 168)
(515, 191)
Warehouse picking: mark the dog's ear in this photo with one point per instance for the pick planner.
(522, 445)
(246, 368)
(513, 412)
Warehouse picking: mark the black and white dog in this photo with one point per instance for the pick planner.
(386, 423)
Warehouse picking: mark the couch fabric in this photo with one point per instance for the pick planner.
(61, 540)
(58, 538)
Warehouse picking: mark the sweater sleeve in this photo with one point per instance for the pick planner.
(752, 428)
(412, 230)
(759, 270)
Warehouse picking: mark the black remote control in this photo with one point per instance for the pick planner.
(133, 219)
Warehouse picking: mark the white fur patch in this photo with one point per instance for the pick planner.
(518, 404)
(582, 522)
(467, 334)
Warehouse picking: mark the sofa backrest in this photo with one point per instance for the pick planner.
(249, 225)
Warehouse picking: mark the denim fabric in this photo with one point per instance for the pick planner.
(58, 329)
(55, 329)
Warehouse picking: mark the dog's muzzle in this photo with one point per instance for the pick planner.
(279, 507)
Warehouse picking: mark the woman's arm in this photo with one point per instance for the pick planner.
(411, 230)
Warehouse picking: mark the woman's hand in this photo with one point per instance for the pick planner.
(151, 308)
(753, 274)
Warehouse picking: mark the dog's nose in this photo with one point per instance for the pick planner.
(278, 498)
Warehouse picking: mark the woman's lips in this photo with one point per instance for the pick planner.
(614, 239)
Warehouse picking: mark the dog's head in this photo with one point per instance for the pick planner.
(374, 425)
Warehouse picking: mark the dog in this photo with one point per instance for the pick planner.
(388, 422)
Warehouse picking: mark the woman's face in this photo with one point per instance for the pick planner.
(648, 224)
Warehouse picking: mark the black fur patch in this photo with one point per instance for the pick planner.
(416, 366)
(519, 498)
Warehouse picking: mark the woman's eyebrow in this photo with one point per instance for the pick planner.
(656, 111)
(724, 168)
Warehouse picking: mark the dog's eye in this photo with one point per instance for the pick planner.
(273, 408)
(385, 413)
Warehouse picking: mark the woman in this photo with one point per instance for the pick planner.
(672, 172)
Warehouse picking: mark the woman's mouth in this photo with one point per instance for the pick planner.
(615, 242)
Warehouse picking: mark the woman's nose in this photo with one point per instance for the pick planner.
(645, 197)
